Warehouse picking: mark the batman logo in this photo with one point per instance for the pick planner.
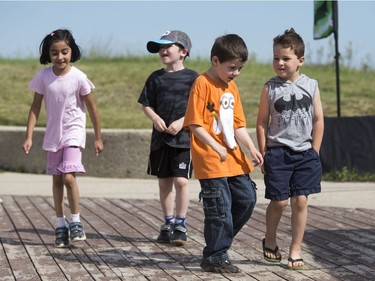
(293, 104)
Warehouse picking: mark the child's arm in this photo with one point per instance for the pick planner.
(207, 139)
(31, 122)
(243, 136)
(94, 116)
(263, 120)
(158, 122)
(318, 122)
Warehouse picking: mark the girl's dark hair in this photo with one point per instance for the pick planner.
(228, 47)
(291, 39)
(58, 35)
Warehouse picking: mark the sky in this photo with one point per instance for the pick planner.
(125, 27)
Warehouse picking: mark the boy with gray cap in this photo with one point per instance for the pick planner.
(164, 99)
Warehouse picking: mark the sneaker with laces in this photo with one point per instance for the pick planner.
(76, 232)
(165, 234)
(221, 267)
(179, 235)
(62, 237)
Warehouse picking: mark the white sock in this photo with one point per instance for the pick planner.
(60, 222)
(75, 218)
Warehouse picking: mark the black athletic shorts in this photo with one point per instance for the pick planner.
(170, 162)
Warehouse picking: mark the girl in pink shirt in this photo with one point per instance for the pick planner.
(66, 92)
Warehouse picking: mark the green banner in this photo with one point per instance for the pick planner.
(323, 19)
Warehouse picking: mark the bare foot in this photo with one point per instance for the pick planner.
(271, 255)
(295, 264)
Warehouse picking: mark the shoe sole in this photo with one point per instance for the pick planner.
(76, 239)
(295, 267)
(61, 246)
(220, 269)
(178, 242)
(163, 241)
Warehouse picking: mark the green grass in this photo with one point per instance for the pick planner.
(348, 175)
(119, 82)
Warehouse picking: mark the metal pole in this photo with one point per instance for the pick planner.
(337, 54)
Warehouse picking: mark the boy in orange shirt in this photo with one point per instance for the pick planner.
(216, 120)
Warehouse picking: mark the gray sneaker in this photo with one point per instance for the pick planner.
(165, 234)
(76, 232)
(179, 235)
(62, 237)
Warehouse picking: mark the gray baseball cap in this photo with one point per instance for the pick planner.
(170, 37)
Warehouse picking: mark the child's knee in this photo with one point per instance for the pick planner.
(299, 202)
(69, 180)
(180, 182)
(279, 205)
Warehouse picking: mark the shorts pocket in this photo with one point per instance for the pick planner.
(314, 153)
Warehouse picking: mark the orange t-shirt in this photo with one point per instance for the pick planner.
(204, 98)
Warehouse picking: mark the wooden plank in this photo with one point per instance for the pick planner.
(120, 245)
(13, 245)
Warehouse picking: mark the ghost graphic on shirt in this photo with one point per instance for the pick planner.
(225, 121)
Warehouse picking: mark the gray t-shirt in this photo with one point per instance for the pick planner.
(291, 111)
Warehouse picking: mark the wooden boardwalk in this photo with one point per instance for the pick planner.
(339, 244)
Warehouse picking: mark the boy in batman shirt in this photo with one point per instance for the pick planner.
(290, 128)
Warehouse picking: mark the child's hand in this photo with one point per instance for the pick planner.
(257, 158)
(159, 124)
(26, 146)
(222, 151)
(174, 127)
(98, 147)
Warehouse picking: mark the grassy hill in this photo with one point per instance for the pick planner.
(119, 82)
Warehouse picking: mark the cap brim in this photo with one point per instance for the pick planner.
(154, 46)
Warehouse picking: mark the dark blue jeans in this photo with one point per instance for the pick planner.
(228, 204)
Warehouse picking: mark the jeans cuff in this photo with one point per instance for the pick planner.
(215, 259)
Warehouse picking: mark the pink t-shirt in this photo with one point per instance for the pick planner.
(64, 105)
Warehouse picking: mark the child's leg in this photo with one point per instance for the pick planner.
(305, 181)
(76, 228)
(273, 215)
(278, 171)
(72, 164)
(61, 231)
(182, 202)
(218, 222)
(58, 195)
(72, 191)
(299, 219)
(166, 196)
(243, 196)
(54, 160)
(167, 204)
(182, 196)
(182, 171)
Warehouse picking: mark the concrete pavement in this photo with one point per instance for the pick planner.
(342, 194)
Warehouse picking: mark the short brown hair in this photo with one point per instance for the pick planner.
(228, 47)
(291, 39)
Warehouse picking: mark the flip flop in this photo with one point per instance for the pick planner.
(293, 261)
(272, 251)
